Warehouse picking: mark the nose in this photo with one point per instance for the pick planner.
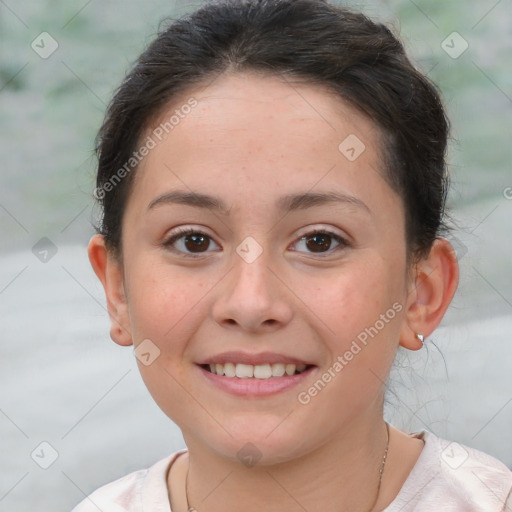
(253, 298)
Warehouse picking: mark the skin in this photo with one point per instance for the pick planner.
(251, 139)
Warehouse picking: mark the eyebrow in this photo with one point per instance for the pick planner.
(287, 203)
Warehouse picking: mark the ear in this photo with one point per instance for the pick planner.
(431, 290)
(110, 273)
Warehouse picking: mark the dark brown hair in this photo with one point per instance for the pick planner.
(310, 40)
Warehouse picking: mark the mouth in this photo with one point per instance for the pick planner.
(268, 375)
(259, 371)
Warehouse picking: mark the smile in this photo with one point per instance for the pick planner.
(259, 371)
(255, 380)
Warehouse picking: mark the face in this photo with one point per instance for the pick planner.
(296, 261)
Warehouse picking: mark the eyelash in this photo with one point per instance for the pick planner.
(182, 232)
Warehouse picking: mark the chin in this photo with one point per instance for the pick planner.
(262, 443)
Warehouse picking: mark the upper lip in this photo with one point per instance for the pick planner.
(253, 359)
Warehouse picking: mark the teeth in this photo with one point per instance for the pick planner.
(229, 370)
(242, 370)
(259, 371)
(278, 370)
(262, 371)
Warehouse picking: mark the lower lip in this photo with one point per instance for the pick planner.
(256, 387)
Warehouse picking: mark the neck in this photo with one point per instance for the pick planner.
(342, 474)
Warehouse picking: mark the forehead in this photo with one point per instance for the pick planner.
(259, 102)
(256, 134)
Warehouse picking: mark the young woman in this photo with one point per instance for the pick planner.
(273, 181)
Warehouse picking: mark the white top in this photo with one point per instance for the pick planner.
(447, 477)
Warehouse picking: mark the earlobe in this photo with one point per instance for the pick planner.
(109, 272)
(435, 281)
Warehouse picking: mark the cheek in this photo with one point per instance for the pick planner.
(353, 297)
(165, 307)
(163, 302)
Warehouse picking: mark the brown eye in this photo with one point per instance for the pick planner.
(320, 242)
(189, 242)
(196, 242)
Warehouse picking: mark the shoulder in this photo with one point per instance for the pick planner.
(450, 476)
(454, 477)
(132, 492)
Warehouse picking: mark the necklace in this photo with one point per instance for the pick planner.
(381, 471)
(382, 465)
